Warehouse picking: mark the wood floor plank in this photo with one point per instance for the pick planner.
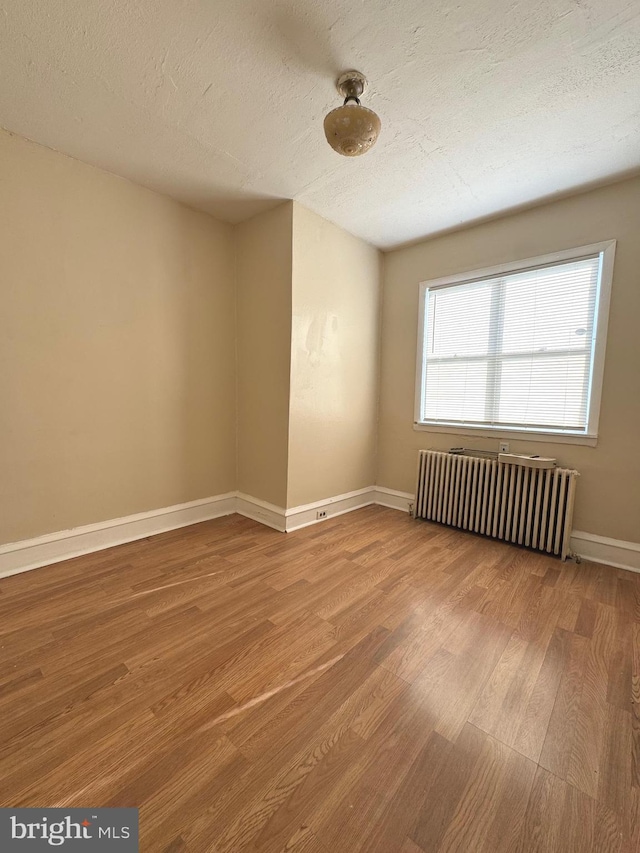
(272, 818)
(410, 847)
(371, 684)
(542, 826)
(372, 782)
(586, 618)
(501, 706)
(620, 671)
(491, 811)
(632, 822)
(578, 822)
(610, 831)
(399, 812)
(453, 692)
(536, 713)
(453, 770)
(635, 706)
(558, 743)
(586, 755)
(615, 767)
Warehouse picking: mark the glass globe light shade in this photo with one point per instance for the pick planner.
(352, 129)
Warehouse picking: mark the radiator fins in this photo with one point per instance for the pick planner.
(526, 506)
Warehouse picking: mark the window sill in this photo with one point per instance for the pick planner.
(511, 434)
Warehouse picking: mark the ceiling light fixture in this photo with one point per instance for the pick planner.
(351, 129)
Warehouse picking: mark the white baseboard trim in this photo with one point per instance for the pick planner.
(53, 547)
(394, 499)
(611, 552)
(306, 514)
(287, 520)
(261, 511)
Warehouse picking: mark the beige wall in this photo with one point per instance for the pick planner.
(334, 361)
(608, 501)
(307, 313)
(264, 346)
(116, 346)
(123, 314)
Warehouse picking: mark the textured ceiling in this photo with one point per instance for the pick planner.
(485, 104)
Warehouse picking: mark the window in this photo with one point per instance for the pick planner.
(518, 347)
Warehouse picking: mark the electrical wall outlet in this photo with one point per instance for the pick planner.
(322, 513)
(504, 447)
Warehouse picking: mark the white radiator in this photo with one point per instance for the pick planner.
(527, 506)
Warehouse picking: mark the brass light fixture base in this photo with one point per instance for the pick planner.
(351, 84)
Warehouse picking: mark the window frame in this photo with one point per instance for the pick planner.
(606, 251)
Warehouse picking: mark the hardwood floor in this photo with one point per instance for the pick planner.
(368, 684)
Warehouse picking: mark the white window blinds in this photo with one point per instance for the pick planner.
(513, 350)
